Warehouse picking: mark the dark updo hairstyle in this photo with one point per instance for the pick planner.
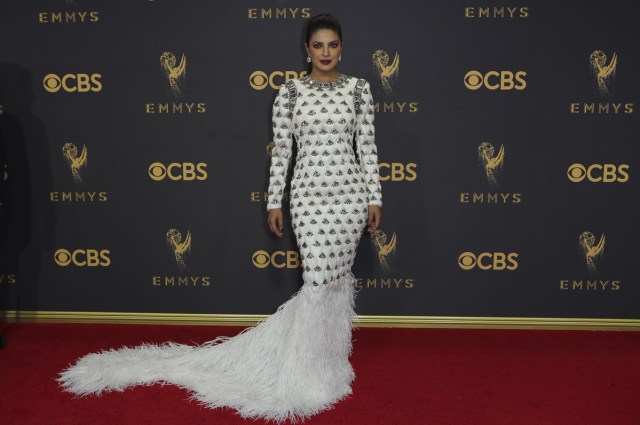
(318, 22)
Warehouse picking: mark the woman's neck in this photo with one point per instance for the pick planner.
(324, 77)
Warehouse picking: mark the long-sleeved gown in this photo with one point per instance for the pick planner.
(294, 363)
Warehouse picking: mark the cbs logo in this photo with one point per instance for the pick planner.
(187, 171)
(279, 259)
(606, 173)
(71, 83)
(488, 261)
(398, 171)
(495, 80)
(259, 80)
(82, 257)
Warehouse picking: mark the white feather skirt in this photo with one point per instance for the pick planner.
(291, 365)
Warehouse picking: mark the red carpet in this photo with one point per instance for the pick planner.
(404, 376)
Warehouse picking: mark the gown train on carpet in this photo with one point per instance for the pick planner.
(291, 365)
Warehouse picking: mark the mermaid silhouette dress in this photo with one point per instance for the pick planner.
(295, 362)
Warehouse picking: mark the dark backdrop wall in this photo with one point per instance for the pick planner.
(137, 138)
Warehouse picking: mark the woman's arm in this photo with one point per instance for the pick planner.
(282, 119)
(366, 146)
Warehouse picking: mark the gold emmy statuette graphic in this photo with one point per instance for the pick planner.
(490, 162)
(386, 71)
(379, 241)
(604, 73)
(590, 250)
(178, 247)
(75, 162)
(173, 72)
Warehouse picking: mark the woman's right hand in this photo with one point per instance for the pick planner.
(274, 218)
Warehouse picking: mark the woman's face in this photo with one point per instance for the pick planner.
(324, 48)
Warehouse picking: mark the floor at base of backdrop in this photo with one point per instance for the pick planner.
(403, 376)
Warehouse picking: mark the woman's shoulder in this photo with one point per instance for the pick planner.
(355, 77)
(358, 83)
(288, 87)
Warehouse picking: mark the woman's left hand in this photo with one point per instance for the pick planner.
(375, 218)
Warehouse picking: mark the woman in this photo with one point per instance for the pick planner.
(294, 363)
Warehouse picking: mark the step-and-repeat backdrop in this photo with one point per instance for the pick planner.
(137, 137)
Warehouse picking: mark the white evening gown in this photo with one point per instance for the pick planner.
(294, 363)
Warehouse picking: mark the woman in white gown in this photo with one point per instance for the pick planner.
(295, 363)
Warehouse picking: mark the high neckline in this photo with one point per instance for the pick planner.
(333, 83)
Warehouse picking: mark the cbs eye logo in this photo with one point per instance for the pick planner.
(596, 173)
(72, 83)
(186, 171)
(259, 80)
(82, 257)
(279, 259)
(495, 80)
(488, 261)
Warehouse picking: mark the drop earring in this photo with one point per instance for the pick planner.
(308, 59)
(340, 58)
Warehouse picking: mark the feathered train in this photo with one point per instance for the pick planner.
(291, 365)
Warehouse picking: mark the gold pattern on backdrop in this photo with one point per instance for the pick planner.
(603, 73)
(174, 73)
(591, 251)
(384, 248)
(178, 247)
(75, 162)
(490, 162)
(384, 69)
